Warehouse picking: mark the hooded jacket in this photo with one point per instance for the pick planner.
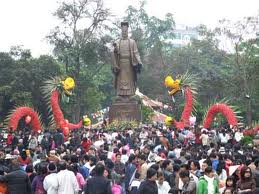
(203, 186)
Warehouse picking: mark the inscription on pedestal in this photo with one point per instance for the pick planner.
(125, 111)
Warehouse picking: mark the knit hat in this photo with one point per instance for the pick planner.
(52, 167)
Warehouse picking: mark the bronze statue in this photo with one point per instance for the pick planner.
(126, 64)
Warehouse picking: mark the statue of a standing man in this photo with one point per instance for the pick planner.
(126, 64)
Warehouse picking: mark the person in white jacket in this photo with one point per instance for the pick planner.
(50, 182)
(162, 185)
(67, 182)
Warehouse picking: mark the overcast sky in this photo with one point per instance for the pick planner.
(27, 22)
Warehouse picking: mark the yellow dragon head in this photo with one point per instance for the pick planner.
(173, 84)
(86, 121)
(68, 85)
(168, 121)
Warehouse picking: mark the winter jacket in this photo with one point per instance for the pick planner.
(18, 182)
(37, 184)
(129, 173)
(50, 183)
(246, 184)
(148, 187)
(98, 185)
(203, 186)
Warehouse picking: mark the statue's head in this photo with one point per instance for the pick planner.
(124, 29)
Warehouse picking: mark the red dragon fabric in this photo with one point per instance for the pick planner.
(58, 114)
(223, 109)
(21, 112)
(188, 106)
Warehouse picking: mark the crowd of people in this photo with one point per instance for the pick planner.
(152, 159)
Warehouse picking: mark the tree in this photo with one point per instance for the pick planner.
(243, 60)
(22, 76)
(78, 46)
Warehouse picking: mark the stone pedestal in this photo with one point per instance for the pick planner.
(125, 111)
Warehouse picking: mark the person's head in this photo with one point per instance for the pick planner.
(43, 168)
(160, 177)
(106, 173)
(195, 165)
(132, 158)
(228, 191)
(256, 163)
(124, 29)
(155, 166)
(118, 157)
(246, 173)
(92, 160)
(184, 167)
(52, 167)
(209, 172)
(151, 174)
(74, 158)
(205, 164)
(230, 182)
(142, 159)
(176, 168)
(62, 165)
(167, 165)
(184, 175)
(99, 169)
(29, 168)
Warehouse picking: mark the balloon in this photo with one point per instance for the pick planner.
(27, 119)
(65, 131)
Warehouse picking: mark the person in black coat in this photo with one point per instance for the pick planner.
(58, 138)
(149, 186)
(17, 180)
(98, 184)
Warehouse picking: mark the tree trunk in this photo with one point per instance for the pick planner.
(249, 112)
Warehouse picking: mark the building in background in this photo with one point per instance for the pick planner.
(183, 36)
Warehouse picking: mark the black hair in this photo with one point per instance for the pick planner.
(155, 166)
(231, 178)
(165, 164)
(208, 161)
(176, 167)
(99, 169)
(184, 173)
(151, 172)
(74, 159)
(186, 166)
(143, 157)
(208, 170)
(196, 163)
(29, 168)
(131, 158)
(62, 165)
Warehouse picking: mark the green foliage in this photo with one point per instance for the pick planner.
(246, 140)
(22, 76)
(147, 114)
(122, 125)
